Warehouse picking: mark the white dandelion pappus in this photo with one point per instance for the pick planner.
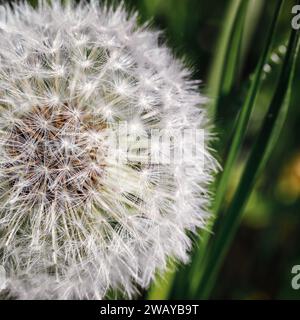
(74, 222)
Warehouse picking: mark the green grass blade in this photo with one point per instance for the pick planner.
(227, 226)
(160, 290)
(234, 51)
(246, 112)
(223, 69)
(238, 138)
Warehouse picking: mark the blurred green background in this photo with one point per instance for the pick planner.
(267, 244)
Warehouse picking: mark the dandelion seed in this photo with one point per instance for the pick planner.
(75, 222)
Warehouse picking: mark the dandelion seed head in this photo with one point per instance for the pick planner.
(75, 222)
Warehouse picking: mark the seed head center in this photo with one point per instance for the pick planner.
(53, 151)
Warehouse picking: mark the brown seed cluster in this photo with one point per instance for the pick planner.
(60, 154)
